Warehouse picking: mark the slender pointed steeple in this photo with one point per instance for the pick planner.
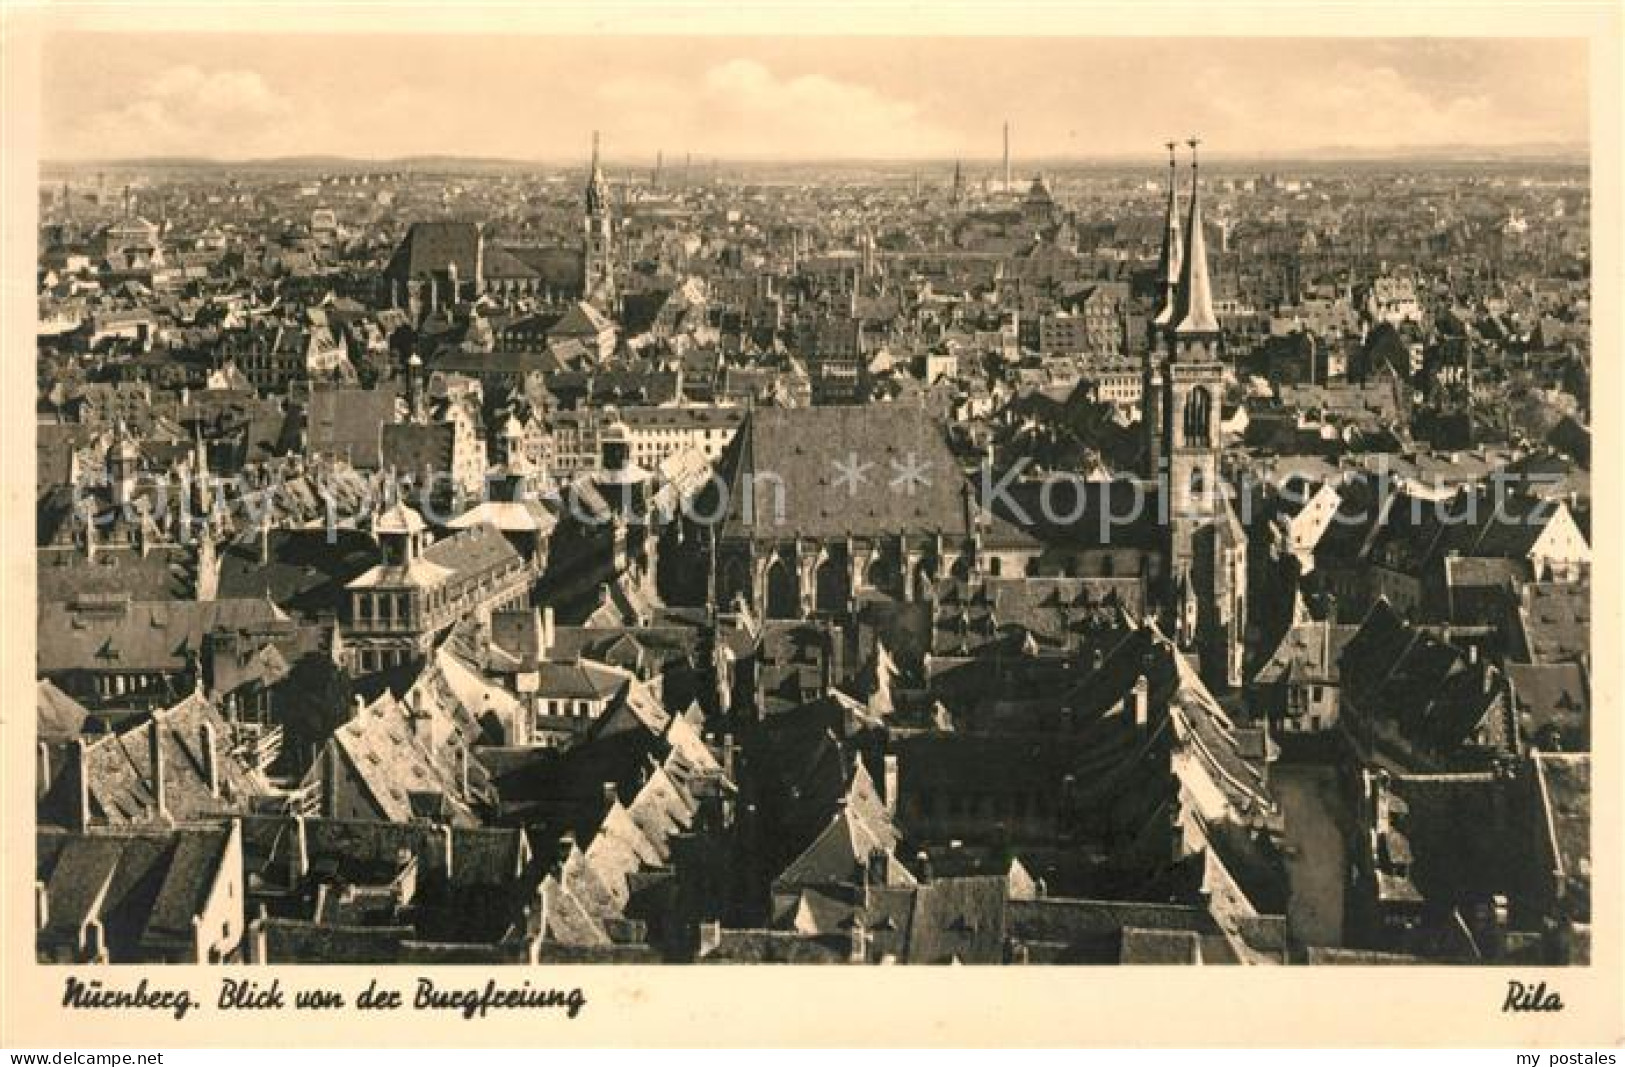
(597, 186)
(598, 262)
(1168, 264)
(1193, 311)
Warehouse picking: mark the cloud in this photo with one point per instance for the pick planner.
(742, 107)
(802, 98)
(186, 109)
(1376, 105)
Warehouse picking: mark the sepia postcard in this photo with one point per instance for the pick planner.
(644, 524)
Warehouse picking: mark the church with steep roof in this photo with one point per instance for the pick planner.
(829, 507)
(441, 264)
(1205, 582)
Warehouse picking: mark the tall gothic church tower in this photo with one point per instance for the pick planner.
(598, 261)
(1156, 352)
(1205, 595)
(1193, 382)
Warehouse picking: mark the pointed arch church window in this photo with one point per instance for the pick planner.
(1198, 417)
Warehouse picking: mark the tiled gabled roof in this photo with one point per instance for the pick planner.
(144, 887)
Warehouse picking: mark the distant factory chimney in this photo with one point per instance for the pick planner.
(1006, 157)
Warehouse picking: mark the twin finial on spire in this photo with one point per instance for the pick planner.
(1187, 292)
(1193, 141)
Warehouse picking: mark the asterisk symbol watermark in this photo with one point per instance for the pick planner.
(852, 473)
(910, 474)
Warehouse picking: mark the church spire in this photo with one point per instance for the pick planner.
(598, 260)
(1193, 312)
(597, 186)
(1168, 264)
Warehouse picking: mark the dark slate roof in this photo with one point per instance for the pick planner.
(630, 648)
(777, 946)
(1552, 698)
(1363, 499)
(347, 422)
(116, 633)
(1309, 652)
(1159, 947)
(1054, 610)
(163, 573)
(511, 364)
(503, 264)
(558, 268)
(1565, 782)
(801, 447)
(639, 385)
(1092, 931)
(431, 246)
(1459, 830)
(1555, 618)
(1116, 512)
(54, 445)
(144, 886)
(959, 920)
(306, 571)
(421, 449)
(1426, 687)
(300, 941)
(1486, 573)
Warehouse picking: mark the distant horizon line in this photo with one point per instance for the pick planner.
(1556, 151)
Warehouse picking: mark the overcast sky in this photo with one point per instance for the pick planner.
(242, 96)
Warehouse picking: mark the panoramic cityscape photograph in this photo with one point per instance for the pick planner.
(811, 500)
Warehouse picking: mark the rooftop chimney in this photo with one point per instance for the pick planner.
(1140, 700)
(155, 744)
(1007, 157)
(710, 937)
(42, 771)
(729, 755)
(860, 944)
(298, 852)
(81, 774)
(211, 757)
(330, 779)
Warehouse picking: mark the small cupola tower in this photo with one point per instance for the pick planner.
(400, 534)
